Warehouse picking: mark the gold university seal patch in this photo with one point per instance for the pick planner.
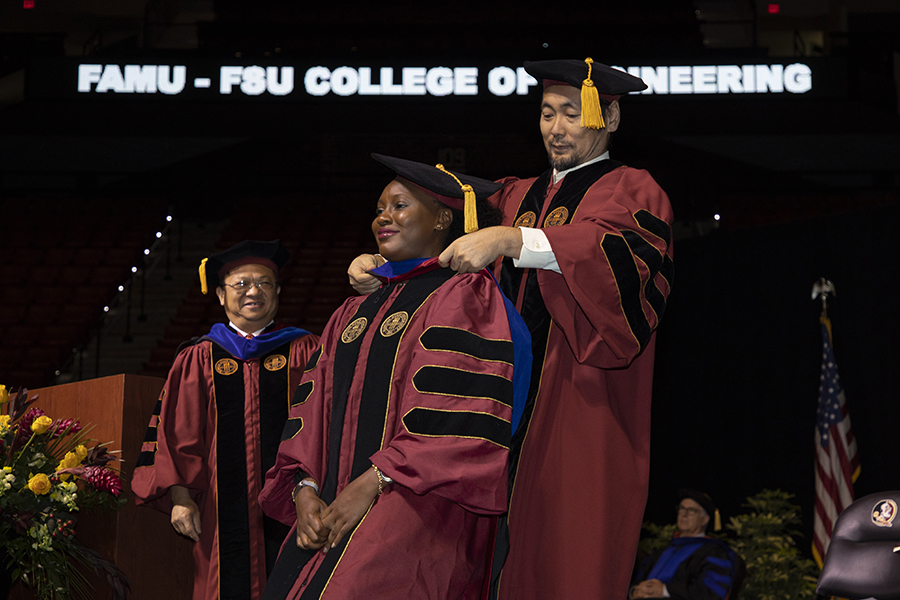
(354, 330)
(394, 323)
(226, 366)
(557, 217)
(526, 220)
(884, 512)
(275, 362)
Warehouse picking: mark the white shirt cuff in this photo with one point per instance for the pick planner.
(536, 252)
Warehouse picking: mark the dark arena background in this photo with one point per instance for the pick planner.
(136, 137)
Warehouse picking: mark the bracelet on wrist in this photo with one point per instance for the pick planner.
(383, 479)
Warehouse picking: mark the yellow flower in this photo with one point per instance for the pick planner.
(41, 424)
(4, 424)
(4, 394)
(82, 452)
(70, 461)
(39, 484)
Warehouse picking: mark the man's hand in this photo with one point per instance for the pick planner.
(349, 507)
(185, 513)
(358, 272)
(474, 251)
(311, 532)
(652, 588)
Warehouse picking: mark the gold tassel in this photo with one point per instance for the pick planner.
(591, 115)
(470, 212)
(203, 287)
(717, 521)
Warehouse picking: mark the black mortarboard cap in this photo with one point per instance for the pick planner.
(456, 190)
(594, 79)
(269, 254)
(705, 501)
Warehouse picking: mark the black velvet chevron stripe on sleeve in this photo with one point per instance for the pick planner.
(443, 423)
(628, 281)
(654, 261)
(449, 339)
(302, 393)
(291, 428)
(313, 360)
(148, 457)
(463, 384)
(650, 222)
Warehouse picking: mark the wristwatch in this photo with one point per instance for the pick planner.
(303, 483)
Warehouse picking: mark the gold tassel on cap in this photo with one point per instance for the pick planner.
(717, 521)
(470, 213)
(591, 115)
(203, 288)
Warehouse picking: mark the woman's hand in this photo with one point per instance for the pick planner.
(358, 272)
(311, 532)
(348, 508)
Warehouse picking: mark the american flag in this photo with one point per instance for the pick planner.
(837, 464)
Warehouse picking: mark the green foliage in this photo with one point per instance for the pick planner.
(764, 538)
(47, 475)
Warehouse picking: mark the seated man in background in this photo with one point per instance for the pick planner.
(216, 427)
(693, 566)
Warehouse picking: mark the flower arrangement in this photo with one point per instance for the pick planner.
(48, 474)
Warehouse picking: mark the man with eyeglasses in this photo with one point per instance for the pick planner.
(217, 424)
(693, 566)
(585, 253)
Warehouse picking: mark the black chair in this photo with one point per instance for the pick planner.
(861, 561)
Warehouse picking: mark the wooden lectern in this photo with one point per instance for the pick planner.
(138, 539)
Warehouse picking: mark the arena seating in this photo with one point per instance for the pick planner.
(65, 257)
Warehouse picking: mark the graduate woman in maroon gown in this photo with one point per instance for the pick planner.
(393, 464)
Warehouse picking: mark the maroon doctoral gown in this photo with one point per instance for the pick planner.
(415, 378)
(215, 431)
(580, 458)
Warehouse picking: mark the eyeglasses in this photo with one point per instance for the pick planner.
(242, 286)
(691, 510)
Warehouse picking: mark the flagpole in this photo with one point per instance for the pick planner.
(837, 461)
(822, 289)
